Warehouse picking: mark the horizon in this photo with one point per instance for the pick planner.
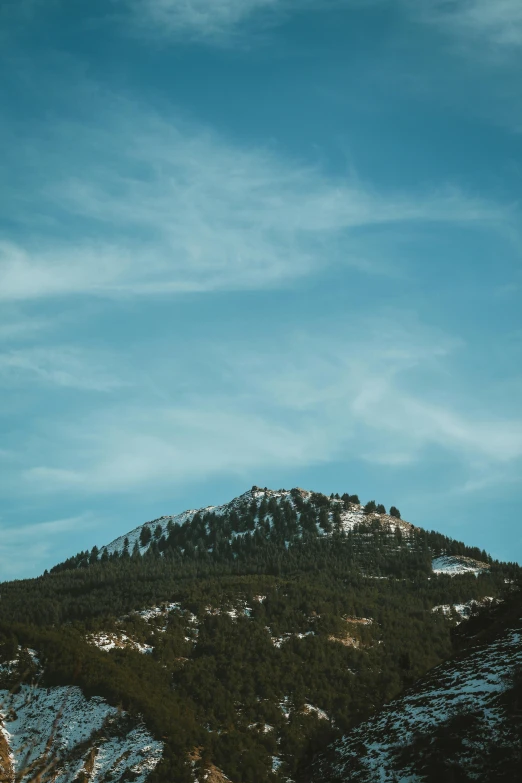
(258, 242)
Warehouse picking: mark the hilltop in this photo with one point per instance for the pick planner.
(344, 513)
(261, 519)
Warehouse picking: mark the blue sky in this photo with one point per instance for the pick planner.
(258, 242)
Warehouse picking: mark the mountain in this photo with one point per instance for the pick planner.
(243, 638)
(460, 722)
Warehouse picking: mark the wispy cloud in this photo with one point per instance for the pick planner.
(214, 20)
(133, 447)
(497, 23)
(367, 390)
(65, 366)
(312, 400)
(160, 206)
(25, 547)
(16, 326)
(222, 21)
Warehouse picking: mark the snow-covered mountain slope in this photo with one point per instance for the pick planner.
(457, 719)
(128, 540)
(350, 517)
(452, 565)
(68, 735)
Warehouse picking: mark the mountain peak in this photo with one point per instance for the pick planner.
(349, 513)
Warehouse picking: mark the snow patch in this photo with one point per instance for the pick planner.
(309, 708)
(465, 610)
(277, 641)
(50, 725)
(453, 565)
(111, 641)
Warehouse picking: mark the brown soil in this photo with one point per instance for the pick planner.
(347, 640)
(6, 769)
(359, 620)
(216, 776)
(212, 773)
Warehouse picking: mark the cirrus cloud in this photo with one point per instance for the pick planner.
(498, 23)
(207, 19)
(313, 399)
(143, 204)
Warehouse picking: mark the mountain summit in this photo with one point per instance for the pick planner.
(343, 514)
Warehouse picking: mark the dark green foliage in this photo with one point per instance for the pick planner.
(349, 500)
(394, 512)
(211, 681)
(233, 663)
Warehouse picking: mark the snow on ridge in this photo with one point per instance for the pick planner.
(357, 516)
(471, 684)
(453, 565)
(349, 518)
(54, 723)
(118, 544)
(465, 610)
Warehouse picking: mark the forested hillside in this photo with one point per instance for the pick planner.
(461, 722)
(251, 635)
